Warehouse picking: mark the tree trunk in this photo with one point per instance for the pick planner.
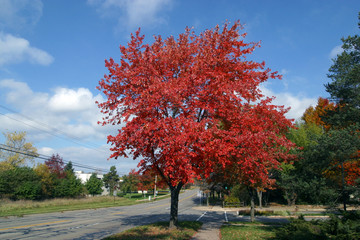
(259, 194)
(266, 198)
(252, 204)
(343, 194)
(175, 190)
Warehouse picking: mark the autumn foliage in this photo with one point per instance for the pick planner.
(189, 104)
(351, 170)
(315, 115)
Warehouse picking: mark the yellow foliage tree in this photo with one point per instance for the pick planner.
(17, 151)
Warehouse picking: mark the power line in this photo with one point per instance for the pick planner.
(68, 137)
(44, 157)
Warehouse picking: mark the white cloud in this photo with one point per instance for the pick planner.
(335, 51)
(15, 50)
(46, 151)
(72, 111)
(298, 104)
(69, 100)
(19, 15)
(135, 13)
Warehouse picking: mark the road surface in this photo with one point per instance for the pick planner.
(97, 224)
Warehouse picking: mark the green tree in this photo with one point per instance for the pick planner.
(111, 180)
(130, 182)
(70, 186)
(342, 143)
(341, 146)
(20, 183)
(345, 85)
(69, 168)
(94, 184)
(17, 152)
(304, 181)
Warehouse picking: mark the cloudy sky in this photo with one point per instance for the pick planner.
(52, 57)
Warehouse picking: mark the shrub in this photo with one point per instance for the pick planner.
(299, 229)
(346, 227)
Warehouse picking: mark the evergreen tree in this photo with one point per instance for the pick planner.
(345, 86)
(342, 142)
(111, 180)
(94, 184)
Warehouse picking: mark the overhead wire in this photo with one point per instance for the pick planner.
(45, 157)
(67, 138)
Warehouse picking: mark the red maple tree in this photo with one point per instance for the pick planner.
(191, 103)
(56, 165)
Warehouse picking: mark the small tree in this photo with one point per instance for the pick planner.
(16, 144)
(70, 186)
(69, 168)
(130, 182)
(94, 185)
(111, 180)
(46, 178)
(56, 165)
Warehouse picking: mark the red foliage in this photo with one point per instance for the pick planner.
(147, 181)
(189, 104)
(56, 165)
(351, 170)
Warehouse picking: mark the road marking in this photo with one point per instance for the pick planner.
(116, 213)
(226, 219)
(34, 225)
(201, 216)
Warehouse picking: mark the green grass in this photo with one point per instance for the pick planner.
(159, 230)
(248, 231)
(24, 207)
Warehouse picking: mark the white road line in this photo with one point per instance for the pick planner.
(226, 219)
(201, 216)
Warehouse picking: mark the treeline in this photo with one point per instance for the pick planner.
(51, 179)
(54, 179)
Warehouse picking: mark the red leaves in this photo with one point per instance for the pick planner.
(192, 104)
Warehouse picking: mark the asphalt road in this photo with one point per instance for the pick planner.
(97, 224)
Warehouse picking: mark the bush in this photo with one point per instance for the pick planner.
(29, 191)
(346, 227)
(299, 229)
(231, 199)
(20, 183)
(120, 194)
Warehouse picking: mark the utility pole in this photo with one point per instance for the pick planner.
(155, 187)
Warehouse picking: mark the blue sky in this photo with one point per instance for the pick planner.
(52, 56)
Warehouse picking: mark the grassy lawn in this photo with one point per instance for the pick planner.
(159, 230)
(23, 207)
(248, 231)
